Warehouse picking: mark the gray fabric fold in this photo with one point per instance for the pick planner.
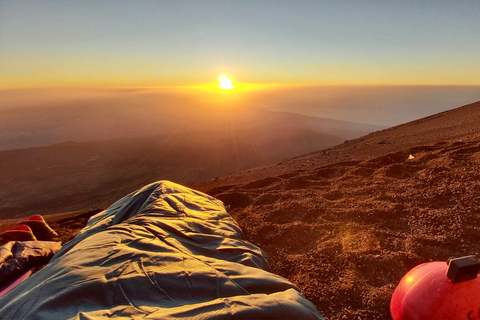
(162, 252)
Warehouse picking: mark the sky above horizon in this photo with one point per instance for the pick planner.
(182, 43)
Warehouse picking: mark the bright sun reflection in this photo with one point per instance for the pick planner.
(225, 83)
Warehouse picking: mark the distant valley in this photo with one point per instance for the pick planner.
(138, 148)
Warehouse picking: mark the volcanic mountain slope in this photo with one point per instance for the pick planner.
(345, 224)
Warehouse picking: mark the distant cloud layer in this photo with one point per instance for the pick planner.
(379, 105)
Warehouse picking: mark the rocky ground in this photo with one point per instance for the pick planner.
(346, 223)
(346, 233)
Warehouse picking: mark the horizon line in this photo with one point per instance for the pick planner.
(240, 86)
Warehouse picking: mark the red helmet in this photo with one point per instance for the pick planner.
(439, 290)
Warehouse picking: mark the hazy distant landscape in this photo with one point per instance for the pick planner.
(76, 157)
(40, 118)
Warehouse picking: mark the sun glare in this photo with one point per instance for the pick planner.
(225, 83)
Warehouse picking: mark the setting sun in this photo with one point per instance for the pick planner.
(225, 83)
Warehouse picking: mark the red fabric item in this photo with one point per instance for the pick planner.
(40, 228)
(22, 227)
(18, 233)
(16, 282)
(36, 217)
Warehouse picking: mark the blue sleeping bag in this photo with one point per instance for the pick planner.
(162, 252)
